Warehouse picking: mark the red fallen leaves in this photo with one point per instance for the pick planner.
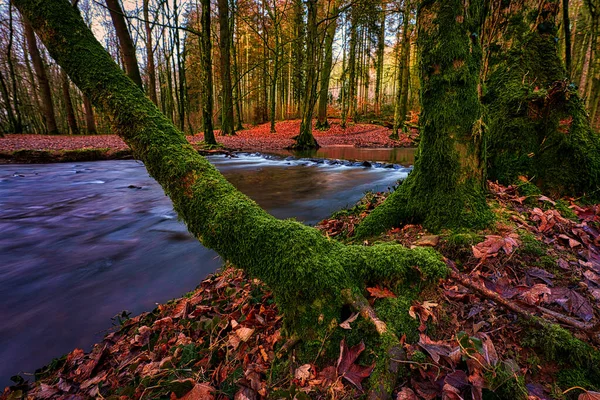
(589, 395)
(492, 245)
(346, 367)
(255, 138)
(380, 293)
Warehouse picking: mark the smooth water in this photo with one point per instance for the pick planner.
(81, 242)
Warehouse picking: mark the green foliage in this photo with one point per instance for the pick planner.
(530, 245)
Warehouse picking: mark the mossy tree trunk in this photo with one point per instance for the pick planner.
(311, 276)
(537, 123)
(446, 187)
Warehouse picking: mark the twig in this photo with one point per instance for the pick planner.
(464, 280)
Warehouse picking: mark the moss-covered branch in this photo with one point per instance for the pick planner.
(305, 270)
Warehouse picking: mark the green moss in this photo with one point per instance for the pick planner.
(457, 245)
(530, 246)
(538, 125)
(506, 382)
(558, 344)
(446, 187)
(570, 377)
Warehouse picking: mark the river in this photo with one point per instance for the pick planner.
(81, 242)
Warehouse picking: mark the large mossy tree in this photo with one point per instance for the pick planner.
(312, 277)
(538, 125)
(446, 187)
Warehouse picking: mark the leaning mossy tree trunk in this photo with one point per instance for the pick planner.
(312, 277)
(538, 126)
(446, 187)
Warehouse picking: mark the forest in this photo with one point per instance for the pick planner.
(394, 199)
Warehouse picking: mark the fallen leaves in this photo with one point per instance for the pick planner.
(493, 244)
(347, 367)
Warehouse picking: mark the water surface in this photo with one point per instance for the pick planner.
(80, 242)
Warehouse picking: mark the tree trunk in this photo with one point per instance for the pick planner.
(227, 120)
(537, 123)
(298, 79)
(237, 94)
(401, 106)
(71, 118)
(207, 78)
(446, 188)
(42, 78)
(352, 78)
(16, 117)
(327, 65)
(380, 54)
(125, 41)
(567, 30)
(150, 67)
(90, 120)
(305, 140)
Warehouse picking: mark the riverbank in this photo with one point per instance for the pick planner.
(468, 339)
(47, 148)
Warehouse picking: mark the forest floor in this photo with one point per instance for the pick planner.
(225, 339)
(46, 148)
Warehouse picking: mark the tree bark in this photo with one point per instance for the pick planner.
(125, 41)
(305, 140)
(446, 188)
(42, 78)
(380, 54)
(567, 30)
(352, 78)
(16, 117)
(237, 94)
(401, 106)
(227, 120)
(298, 59)
(90, 120)
(207, 77)
(71, 118)
(150, 65)
(322, 122)
(537, 123)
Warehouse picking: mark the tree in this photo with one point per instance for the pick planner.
(227, 91)
(446, 187)
(42, 79)
(327, 64)
(150, 65)
(305, 140)
(71, 117)
(207, 77)
(127, 46)
(538, 125)
(401, 106)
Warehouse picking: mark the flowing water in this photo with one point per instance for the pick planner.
(81, 242)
